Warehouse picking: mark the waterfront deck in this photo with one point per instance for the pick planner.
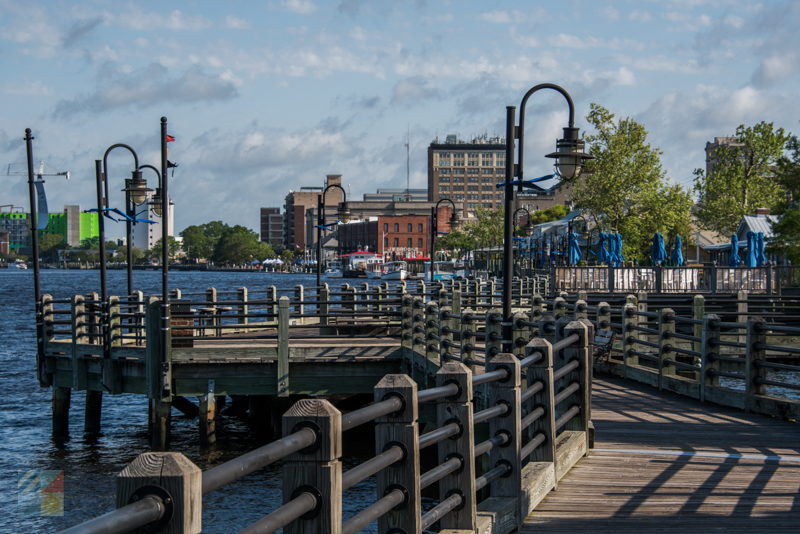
(663, 463)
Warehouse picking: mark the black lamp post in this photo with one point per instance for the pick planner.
(135, 193)
(344, 214)
(569, 156)
(528, 225)
(435, 225)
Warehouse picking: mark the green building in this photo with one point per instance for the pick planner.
(72, 225)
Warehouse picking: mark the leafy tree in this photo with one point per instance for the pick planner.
(455, 240)
(90, 243)
(238, 245)
(173, 247)
(553, 213)
(196, 243)
(741, 178)
(287, 256)
(786, 241)
(625, 188)
(48, 244)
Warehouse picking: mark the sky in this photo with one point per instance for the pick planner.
(267, 96)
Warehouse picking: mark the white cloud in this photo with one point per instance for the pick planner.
(303, 7)
(497, 17)
(638, 15)
(235, 23)
(610, 12)
(778, 67)
(176, 20)
(564, 40)
(26, 88)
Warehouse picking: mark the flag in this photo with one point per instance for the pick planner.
(169, 138)
(171, 165)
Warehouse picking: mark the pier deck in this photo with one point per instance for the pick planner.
(664, 463)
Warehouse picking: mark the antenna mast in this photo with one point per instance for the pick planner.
(408, 165)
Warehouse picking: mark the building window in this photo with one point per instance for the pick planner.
(396, 242)
(444, 172)
(385, 242)
(444, 189)
(458, 172)
(385, 227)
(410, 242)
(472, 188)
(444, 179)
(486, 171)
(396, 227)
(458, 179)
(419, 243)
(420, 228)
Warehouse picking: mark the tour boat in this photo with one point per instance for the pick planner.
(395, 270)
(375, 269)
(334, 269)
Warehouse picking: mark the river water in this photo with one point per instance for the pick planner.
(89, 468)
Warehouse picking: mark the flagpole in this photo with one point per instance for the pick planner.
(37, 288)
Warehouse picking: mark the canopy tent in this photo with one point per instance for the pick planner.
(677, 252)
(658, 252)
(733, 259)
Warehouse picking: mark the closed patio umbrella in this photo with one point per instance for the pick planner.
(750, 260)
(677, 253)
(733, 258)
(658, 252)
(574, 249)
(761, 259)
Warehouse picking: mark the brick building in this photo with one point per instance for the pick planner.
(272, 226)
(393, 236)
(296, 236)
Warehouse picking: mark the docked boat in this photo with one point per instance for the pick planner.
(445, 270)
(334, 269)
(18, 264)
(395, 270)
(355, 264)
(375, 270)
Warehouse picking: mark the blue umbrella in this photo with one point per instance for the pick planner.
(620, 257)
(574, 249)
(733, 259)
(615, 257)
(658, 252)
(602, 251)
(677, 253)
(761, 259)
(751, 250)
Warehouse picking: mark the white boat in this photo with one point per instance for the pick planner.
(334, 269)
(18, 264)
(395, 270)
(375, 269)
(445, 270)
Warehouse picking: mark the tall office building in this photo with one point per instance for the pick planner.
(467, 172)
(145, 236)
(272, 226)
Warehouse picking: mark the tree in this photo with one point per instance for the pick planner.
(196, 244)
(173, 247)
(741, 177)
(238, 245)
(625, 188)
(786, 241)
(48, 244)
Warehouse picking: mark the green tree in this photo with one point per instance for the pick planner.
(238, 245)
(741, 178)
(786, 241)
(625, 189)
(173, 247)
(48, 246)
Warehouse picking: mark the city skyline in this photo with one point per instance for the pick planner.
(270, 96)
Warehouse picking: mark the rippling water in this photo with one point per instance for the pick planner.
(89, 468)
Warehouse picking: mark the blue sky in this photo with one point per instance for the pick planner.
(266, 96)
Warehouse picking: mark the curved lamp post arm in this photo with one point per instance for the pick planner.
(105, 166)
(154, 169)
(520, 134)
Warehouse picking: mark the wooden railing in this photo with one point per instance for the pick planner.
(537, 411)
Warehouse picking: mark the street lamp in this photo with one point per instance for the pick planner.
(344, 214)
(529, 224)
(569, 156)
(435, 224)
(135, 190)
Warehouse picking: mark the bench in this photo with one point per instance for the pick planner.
(603, 343)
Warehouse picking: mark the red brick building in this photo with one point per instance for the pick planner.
(394, 236)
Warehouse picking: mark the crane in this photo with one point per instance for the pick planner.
(39, 173)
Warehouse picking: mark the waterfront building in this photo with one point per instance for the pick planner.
(73, 225)
(467, 171)
(272, 226)
(146, 235)
(297, 224)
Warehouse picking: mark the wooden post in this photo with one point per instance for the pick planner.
(169, 475)
(60, 410)
(421, 289)
(580, 309)
(629, 321)
(698, 313)
(559, 307)
(507, 392)
(272, 297)
(352, 296)
(111, 368)
(242, 308)
(755, 354)
(365, 295)
(299, 308)
(323, 308)
(432, 326)
(458, 408)
(318, 468)
(542, 371)
(79, 337)
(537, 311)
(386, 294)
(492, 288)
(45, 378)
(583, 375)
(446, 326)
(742, 313)
(207, 420)
(399, 428)
(604, 316)
(494, 332)
(521, 333)
(407, 329)
(666, 326)
(468, 339)
(283, 347)
(709, 348)
(455, 298)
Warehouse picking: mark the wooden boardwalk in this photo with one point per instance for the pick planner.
(664, 463)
